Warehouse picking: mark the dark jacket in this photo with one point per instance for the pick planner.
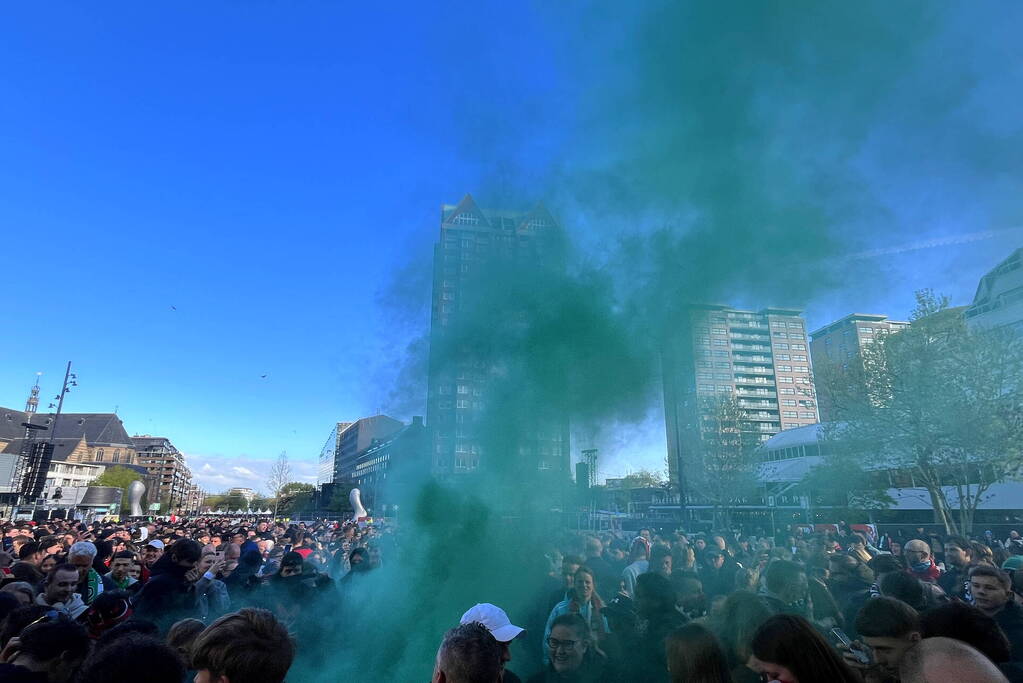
(1010, 619)
(953, 582)
(167, 597)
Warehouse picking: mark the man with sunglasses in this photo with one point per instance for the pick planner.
(59, 591)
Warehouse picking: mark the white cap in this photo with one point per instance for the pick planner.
(156, 543)
(496, 621)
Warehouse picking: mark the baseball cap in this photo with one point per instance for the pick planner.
(1014, 563)
(495, 619)
(156, 543)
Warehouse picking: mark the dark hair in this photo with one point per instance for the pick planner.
(249, 645)
(967, 623)
(658, 589)
(742, 613)
(884, 617)
(62, 567)
(469, 654)
(993, 572)
(123, 555)
(904, 587)
(291, 559)
(781, 574)
(51, 638)
(141, 627)
(959, 542)
(8, 603)
(883, 564)
(18, 619)
(695, 656)
(28, 549)
(122, 660)
(182, 635)
(186, 549)
(574, 622)
(790, 641)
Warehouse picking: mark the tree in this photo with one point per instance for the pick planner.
(295, 497)
(117, 477)
(724, 465)
(280, 474)
(642, 479)
(936, 403)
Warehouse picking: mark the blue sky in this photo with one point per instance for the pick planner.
(194, 196)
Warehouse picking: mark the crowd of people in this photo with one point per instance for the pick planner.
(226, 601)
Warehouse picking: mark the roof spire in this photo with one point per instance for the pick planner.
(32, 404)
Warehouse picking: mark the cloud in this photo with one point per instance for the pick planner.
(217, 473)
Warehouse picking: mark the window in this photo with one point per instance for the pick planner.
(463, 389)
(808, 415)
(99, 455)
(704, 375)
(462, 403)
(785, 368)
(466, 219)
(720, 354)
(867, 330)
(789, 402)
(788, 413)
(720, 342)
(701, 330)
(703, 363)
(783, 347)
(787, 392)
(782, 356)
(724, 388)
(785, 380)
(718, 330)
(722, 365)
(802, 358)
(781, 335)
(797, 326)
(799, 347)
(722, 375)
(705, 387)
(778, 324)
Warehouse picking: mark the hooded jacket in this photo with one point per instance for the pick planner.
(74, 607)
(167, 595)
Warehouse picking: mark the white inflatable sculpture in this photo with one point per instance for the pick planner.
(358, 511)
(135, 491)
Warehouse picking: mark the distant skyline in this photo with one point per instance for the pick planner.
(225, 217)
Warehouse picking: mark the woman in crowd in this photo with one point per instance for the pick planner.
(571, 654)
(694, 655)
(583, 600)
(788, 649)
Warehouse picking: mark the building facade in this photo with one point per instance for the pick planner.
(472, 240)
(389, 470)
(166, 466)
(758, 359)
(328, 461)
(77, 437)
(72, 479)
(356, 438)
(999, 298)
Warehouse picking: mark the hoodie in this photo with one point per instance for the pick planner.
(74, 607)
(167, 596)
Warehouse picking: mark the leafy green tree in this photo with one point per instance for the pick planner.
(938, 403)
(294, 497)
(118, 477)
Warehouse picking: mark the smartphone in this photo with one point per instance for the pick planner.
(287, 548)
(840, 636)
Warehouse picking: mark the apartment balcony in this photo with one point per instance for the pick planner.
(750, 347)
(770, 405)
(746, 325)
(755, 393)
(754, 359)
(749, 337)
(762, 416)
(754, 380)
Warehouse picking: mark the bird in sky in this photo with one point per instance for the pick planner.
(174, 308)
(263, 376)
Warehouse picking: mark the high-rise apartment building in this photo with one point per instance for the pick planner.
(759, 359)
(836, 345)
(166, 464)
(470, 239)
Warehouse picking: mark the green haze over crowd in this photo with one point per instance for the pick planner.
(716, 156)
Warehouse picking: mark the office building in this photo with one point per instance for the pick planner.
(758, 358)
(998, 301)
(328, 461)
(354, 439)
(391, 469)
(471, 240)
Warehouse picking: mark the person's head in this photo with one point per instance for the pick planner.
(497, 622)
(714, 559)
(30, 552)
(902, 586)
(594, 548)
(120, 563)
(568, 643)
(81, 556)
(291, 564)
(789, 649)
(857, 540)
(660, 560)
(958, 552)
(121, 661)
(644, 533)
(569, 565)
(889, 627)
(182, 635)
(937, 660)
(786, 580)
(358, 556)
(990, 587)
(916, 553)
(185, 553)
(639, 550)
(61, 584)
(701, 544)
(683, 557)
(654, 595)
(135, 571)
(152, 552)
(53, 645)
(969, 625)
(248, 646)
(468, 654)
(22, 592)
(584, 584)
(694, 654)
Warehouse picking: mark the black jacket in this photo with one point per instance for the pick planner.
(1010, 619)
(167, 597)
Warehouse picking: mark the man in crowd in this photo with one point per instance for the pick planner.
(504, 632)
(90, 583)
(889, 627)
(991, 591)
(787, 587)
(151, 554)
(468, 654)
(118, 577)
(958, 561)
(919, 562)
(59, 591)
(248, 646)
(941, 660)
(166, 597)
